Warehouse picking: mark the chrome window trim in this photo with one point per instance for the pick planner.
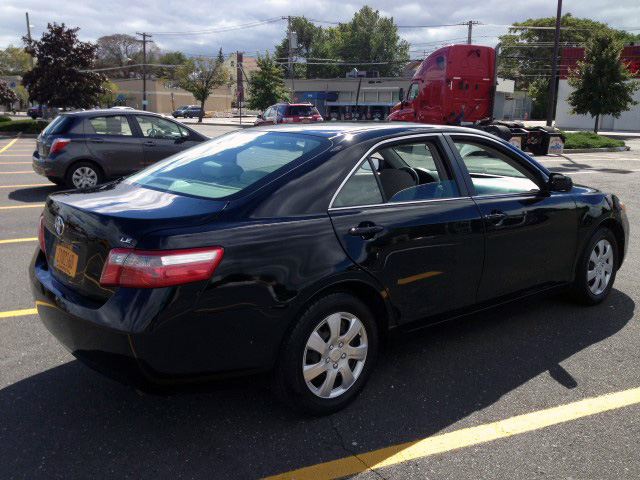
(394, 204)
(355, 168)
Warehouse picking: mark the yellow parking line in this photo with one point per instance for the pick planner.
(29, 185)
(466, 437)
(8, 144)
(17, 313)
(37, 205)
(17, 240)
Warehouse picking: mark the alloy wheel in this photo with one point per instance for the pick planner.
(335, 354)
(600, 267)
(84, 177)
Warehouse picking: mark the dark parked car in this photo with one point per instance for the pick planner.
(35, 111)
(289, 113)
(83, 149)
(180, 111)
(193, 111)
(299, 247)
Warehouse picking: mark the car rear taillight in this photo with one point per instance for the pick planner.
(151, 269)
(59, 144)
(318, 118)
(41, 234)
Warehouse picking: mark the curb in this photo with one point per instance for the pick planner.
(594, 150)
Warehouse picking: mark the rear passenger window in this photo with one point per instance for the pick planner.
(112, 125)
(361, 188)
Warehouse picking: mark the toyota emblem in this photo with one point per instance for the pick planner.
(59, 225)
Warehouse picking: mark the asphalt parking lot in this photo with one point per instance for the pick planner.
(58, 419)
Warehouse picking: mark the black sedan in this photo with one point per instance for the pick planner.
(298, 248)
(83, 149)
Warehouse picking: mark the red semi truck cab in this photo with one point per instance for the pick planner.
(453, 85)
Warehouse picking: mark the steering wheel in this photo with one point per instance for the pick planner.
(413, 173)
(152, 132)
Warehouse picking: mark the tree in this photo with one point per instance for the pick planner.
(117, 50)
(14, 61)
(368, 38)
(220, 56)
(601, 83)
(170, 58)
(108, 98)
(200, 76)
(266, 86)
(60, 77)
(7, 95)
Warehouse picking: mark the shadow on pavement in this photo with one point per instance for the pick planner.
(33, 194)
(69, 422)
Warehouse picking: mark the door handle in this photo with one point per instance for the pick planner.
(96, 140)
(365, 231)
(496, 217)
(149, 144)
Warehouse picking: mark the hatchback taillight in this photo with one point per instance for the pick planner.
(41, 234)
(151, 269)
(59, 144)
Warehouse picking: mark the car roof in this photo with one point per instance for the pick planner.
(331, 129)
(109, 111)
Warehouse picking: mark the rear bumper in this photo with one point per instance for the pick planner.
(45, 167)
(137, 338)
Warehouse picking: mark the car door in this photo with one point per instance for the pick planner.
(422, 239)
(113, 142)
(531, 233)
(162, 138)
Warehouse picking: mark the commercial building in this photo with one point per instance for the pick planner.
(162, 97)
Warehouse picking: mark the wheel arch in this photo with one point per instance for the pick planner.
(76, 161)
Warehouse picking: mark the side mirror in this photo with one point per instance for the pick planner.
(260, 116)
(559, 183)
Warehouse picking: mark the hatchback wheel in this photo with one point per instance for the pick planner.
(328, 357)
(596, 270)
(83, 175)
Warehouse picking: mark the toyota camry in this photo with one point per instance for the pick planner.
(297, 248)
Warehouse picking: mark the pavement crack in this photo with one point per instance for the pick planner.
(352, 452)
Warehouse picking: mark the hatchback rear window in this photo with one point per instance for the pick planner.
(302, 110)
(229, 164)
(59, 126)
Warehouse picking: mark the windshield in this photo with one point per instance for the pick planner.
(224, 166)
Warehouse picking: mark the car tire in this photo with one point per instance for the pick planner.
(83, 175)
(596, 269)
(323, 324)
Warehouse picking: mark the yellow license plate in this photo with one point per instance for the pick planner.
(66, 260)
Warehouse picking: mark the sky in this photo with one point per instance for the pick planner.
(104, 17)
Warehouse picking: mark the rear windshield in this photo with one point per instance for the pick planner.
(302, 110)
(58, 126)
(229, 164)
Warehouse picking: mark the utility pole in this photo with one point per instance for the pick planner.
(470, 24)
(29, 37)
(239, 83)
(554, 65)
(293, 39)
(144, 67)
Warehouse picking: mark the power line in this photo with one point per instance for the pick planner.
(229, 28)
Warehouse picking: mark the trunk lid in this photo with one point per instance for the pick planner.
(82, 226)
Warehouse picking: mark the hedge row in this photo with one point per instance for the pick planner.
(24, 126)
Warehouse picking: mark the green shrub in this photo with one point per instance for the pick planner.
(589, 140)
(24, 126)
(4, 118)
